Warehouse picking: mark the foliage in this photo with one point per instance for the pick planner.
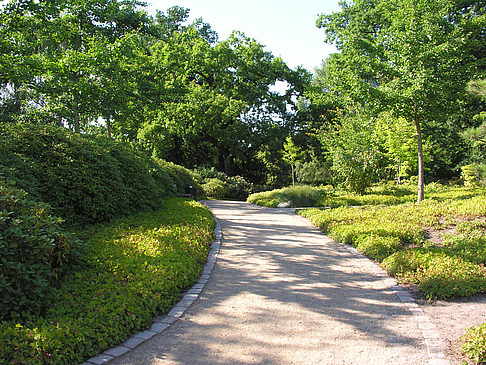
(298, 196)
(399, 139)
(292, 155)
(353, 150)
(396, 234)
(315, 172)
(85, 179)
(473, 175)
(228, 187)
(474, 346)
(35, 253)
(412, 58)
(214, 188)
(136, 268)
(437, 274)
(106, 66)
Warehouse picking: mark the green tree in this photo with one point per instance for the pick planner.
(410, 56)
(292, 154)
(398, 138)
(354, 150)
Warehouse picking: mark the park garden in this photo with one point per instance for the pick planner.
(108, 115)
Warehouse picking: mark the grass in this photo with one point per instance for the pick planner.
(134, 269)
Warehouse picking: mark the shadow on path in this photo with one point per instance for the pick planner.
(283, 293)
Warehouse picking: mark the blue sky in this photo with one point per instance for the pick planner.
(286, 27)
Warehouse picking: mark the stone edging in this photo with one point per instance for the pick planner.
(161, 323)
(436, 347)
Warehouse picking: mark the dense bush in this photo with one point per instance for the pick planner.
(474, 175)
(216, 184)
(298, 196)
(136, 268)
(214, 188)
(474, 346)
(85, 179)
(35, 253)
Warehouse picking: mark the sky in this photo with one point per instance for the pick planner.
(285, 27)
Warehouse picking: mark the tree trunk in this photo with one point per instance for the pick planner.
(293, 175)
(108, 127)
(77, 127)
(420, 195)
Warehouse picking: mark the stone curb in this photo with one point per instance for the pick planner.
(161, 323)
(436, 347)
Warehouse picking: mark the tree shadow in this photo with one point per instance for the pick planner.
(305, 281)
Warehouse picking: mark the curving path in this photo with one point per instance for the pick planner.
(281, 292)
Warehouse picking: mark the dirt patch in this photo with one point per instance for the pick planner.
(453, 318)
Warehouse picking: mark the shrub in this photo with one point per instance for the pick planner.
(214, 188)
(85, 179)
(135, 268)
(181, 177)
(299, 196)
(354, 150)
(34, 250)
(473, 175)
(236, 187)
(474, 346)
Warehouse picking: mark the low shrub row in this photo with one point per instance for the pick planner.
(133, 269)
(297, 196)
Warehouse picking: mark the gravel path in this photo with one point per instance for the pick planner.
(281, 292)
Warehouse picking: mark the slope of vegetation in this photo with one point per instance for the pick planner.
(85, 179)
(397, 235)
(132, 270)
(67, 295)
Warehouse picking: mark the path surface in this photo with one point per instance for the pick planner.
(283, 293)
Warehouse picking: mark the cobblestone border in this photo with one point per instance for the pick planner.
(161, 323)
(436, 347)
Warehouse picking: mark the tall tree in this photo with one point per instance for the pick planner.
(410, 56)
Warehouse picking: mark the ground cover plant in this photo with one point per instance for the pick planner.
(133, 269)
(438, 245)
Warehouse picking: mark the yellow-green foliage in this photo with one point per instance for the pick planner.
(135, 268)
(437, 274)
(475, 344)
(396, 235)
(299, 196)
